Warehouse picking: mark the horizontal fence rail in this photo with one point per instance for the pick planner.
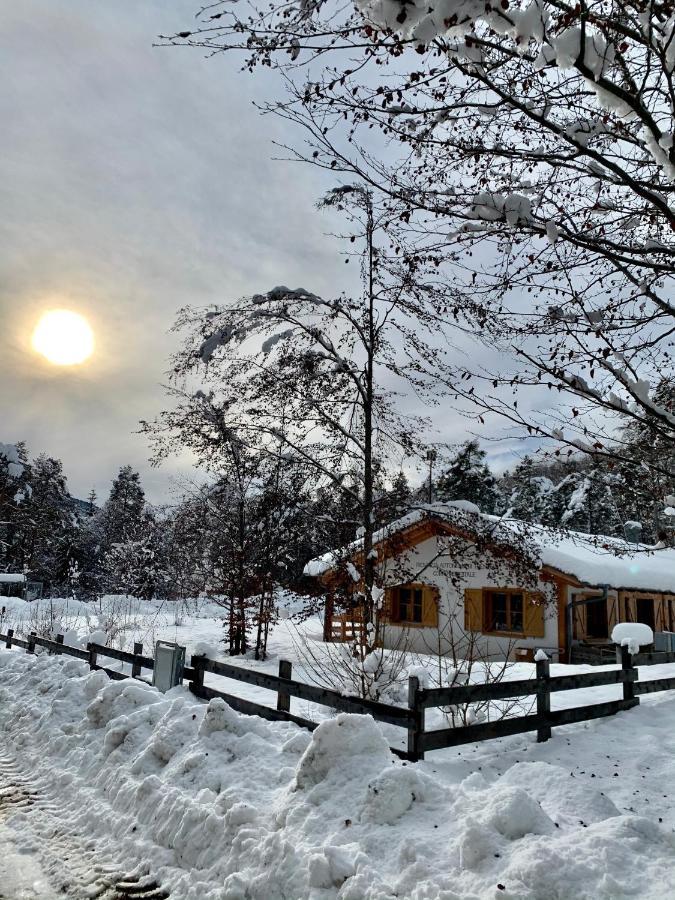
(410, 718)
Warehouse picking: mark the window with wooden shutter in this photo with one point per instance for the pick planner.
(414, 605)
(504, 611)
(473, 609)
(511, 611)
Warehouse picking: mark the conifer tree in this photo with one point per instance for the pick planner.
(529, 492)
(395, 501)
(122, 514)
(14, 493)
(469, 478)
(52, 525)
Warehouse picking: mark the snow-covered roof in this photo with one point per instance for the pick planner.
(594, 560)
(11, 578)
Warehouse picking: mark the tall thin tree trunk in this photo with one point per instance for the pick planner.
(368, 635)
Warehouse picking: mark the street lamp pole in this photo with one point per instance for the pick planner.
(431, 459)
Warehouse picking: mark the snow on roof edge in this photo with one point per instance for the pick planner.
(593, 560)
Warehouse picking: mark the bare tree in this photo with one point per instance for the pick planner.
(290, 374)
(525, 152)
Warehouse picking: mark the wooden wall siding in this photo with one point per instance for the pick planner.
(579, 619)
(664, 608)
(613, 614)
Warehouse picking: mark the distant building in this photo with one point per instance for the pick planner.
(13, 584)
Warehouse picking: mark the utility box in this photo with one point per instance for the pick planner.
(523, 654)
(169, 665)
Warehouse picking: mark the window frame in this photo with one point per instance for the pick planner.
(488, 617)
(429, 593)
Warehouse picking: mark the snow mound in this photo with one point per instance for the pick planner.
(393, 793)
(339, 746)
(567, 800)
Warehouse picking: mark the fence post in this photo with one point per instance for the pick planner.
(625, 660)
(10, 635)
(136, 666)
(59, 640)
(416, 728)
(197, 675)
(31, 642)
(543, 698)
(284, 699)
(92, 656)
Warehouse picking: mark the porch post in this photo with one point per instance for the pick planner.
(328, 618)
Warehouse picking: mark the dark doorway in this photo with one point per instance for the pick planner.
(644, 611)
(596, 619)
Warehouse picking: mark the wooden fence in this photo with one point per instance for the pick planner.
(411, 718)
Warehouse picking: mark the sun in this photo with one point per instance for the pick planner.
(63, 337)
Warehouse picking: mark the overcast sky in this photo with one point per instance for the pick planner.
(133, 180)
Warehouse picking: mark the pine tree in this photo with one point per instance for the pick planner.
(91, 500)
(135, 566)
(529, 492)
(469, 478)
(122, 515)
(584, 502)
(394, 502)
(53, 525)
(14, 494)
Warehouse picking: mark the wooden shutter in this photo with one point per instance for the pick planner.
(430, 602)
(473, 609)
(386, 611)
(533, 617)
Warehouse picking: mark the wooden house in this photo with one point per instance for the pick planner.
(446, 573)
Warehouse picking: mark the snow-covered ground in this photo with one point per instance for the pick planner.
(213, 804)
(218, 805)
(21, 875)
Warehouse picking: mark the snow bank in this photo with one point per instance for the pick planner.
(229, 807)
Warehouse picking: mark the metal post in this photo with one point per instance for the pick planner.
(59, 640)
(284, 699)
(10, 635)
(431, 459)
(92, 656)
(31, 642)
(543, 698)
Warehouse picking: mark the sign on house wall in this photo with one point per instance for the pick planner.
(452, 571)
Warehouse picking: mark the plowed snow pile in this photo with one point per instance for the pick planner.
(232, 807)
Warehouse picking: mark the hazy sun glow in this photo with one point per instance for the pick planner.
(63, 337)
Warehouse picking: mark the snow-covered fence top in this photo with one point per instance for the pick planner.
(12, 578)
(411, 718)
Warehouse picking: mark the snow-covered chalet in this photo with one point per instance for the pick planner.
(448, 576)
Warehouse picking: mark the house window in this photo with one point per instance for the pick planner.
(413, 604)
(409, 606)
(504, 611)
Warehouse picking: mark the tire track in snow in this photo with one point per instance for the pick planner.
(75, 865)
